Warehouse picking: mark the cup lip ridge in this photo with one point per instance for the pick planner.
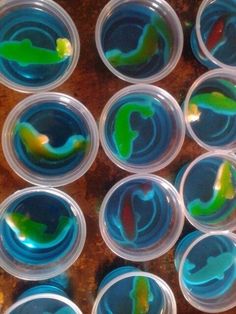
(148, 89)
(165, 288)
(168, 68)
(137, 257)
(202, 45)
(228, 234)
(75, 58)
(216, 73)
(78, 213)
(199, 226)
(39, 179)
(37, 296)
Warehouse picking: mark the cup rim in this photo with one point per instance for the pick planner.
(65, 18)
(39, 179)
(194, 222)
(228, 234)
(155, 253)
(154, 165)
(165, 288)
(77, 249)
(37, 296)
(155, 77)
(207, 75)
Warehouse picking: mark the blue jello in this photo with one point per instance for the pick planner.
(211, 112)
(145, 127)
(137, 40)
(61, 127)
(217, 26)
(210, 200)
(135, 294)
(209, 268)
(138, 215)
(39, 228)
(36, 25)
(54, 301)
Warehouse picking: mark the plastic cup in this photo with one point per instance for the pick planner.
(142, 128)
(207, 191)
(213, 38)
(122, 294)
(43, 299)
(207, 270)
(140, 41)
(210, 110)
(141, 217)
(31, 57)
(50, 139)
(43, 232)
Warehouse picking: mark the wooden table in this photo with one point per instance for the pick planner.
(93, 85)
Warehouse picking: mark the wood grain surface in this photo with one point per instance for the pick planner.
(93, 85)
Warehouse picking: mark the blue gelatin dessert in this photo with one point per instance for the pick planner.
(53, 301)
(138, 214)
(139, 40)
(210, 201)
(209, 268)
(37, 45)
(137, 294)
(50, 139)
(129, 290)
(217, 26)
(136, 40)
(142, 131)
(38, 229)
(211, 112)
(42, 233)
(141, 218)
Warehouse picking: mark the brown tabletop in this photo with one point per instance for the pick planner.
(93, 85)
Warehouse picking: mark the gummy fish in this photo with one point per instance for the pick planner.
(223, 190)
(214, 101)
(147, 45)
(146, 48)
(123, 134)
(141, 295)
(214, 269)
(33, 234)
(214, 39)
(127, 219)
(24, 53)
(38, 144)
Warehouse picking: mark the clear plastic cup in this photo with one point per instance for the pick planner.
(43, 232)
(140, 41)
(213, 37)
(122, 294)
(50, 139)
(142, 128)
(207, 191)
(32, 59)
(207, 270)
(141, 217)
(210, 110)
(43, 299)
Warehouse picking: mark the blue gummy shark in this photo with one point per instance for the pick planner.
(214, 269)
